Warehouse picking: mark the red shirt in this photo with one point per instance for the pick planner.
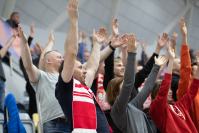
(174, 118)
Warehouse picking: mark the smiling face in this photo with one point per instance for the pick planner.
(118, 68)
(169, 97)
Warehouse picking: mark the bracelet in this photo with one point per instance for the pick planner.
(111, 46)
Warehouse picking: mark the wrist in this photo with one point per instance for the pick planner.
(131, 51)
(184, 40)
(110, 46)
(157, 50)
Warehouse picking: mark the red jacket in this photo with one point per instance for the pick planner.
(173, 118)
(185, 81)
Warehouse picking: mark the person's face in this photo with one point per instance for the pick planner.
(119, 69)
(176, 64)
(169, 97)
(79, 72)
(194, 68)
(55, 59)
(86, 55)
(16, 18)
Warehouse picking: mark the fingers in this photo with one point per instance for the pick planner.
(73, 4)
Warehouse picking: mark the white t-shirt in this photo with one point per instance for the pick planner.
(45, 94)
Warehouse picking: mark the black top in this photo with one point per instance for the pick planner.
(2, 74)
(63, 93)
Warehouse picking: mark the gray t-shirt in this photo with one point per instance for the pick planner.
(45, 93)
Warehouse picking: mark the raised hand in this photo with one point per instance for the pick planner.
(162, 40)
(183, 27)
(132, 46)
(115, 29)
(119, 41)
(161, 60)
(73, 10)
(99, 36)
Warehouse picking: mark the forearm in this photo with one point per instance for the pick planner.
(70, 54)
(92, 64)
(26, 56)
(129, 78)
(142, 74)
(184, 39)
(5, 48)
(185, 71)
(72, 38)
(124, 56)
(194, 87)
(30, 38)
(170, 66)
(109, 70)
(161, 97)
(139, 100)
(105, 53)
(157, 50)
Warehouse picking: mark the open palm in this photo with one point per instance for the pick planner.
(161, 60)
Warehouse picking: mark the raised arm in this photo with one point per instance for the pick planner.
(141, 97)
(71, 43)
(185, 67)
(129, 76)
(142, 74)
(48, 47)
(5, 48)
(109, 62)
(32, 71)
(188, 98)
(159, 105)
(114, 41)
(93, 61)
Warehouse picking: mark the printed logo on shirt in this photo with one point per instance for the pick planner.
(177, 111)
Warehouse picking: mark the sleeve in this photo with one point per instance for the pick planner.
(158, 106)
(139, 100)
(35, 84)
(185, 71)
(188, 98)
(23, 69)
(63, 93)
(108, 70)
(142, 74)
(30, 40)
(127, 87)
(144, 58)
